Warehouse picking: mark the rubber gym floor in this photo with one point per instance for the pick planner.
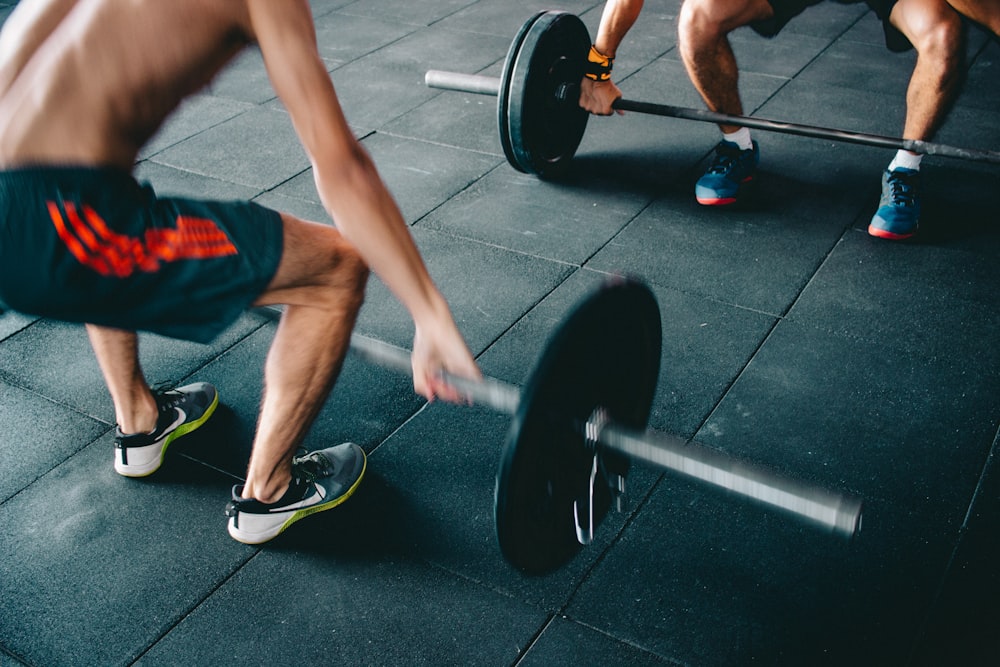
(791, 339)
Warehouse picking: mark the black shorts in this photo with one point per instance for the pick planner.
(786, 10)
(93, 245)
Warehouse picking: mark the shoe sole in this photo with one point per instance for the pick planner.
(260, 538)
(724, 201)
(154, 465)
(883, 234)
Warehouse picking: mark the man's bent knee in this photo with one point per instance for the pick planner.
(318, 267)
(708, 19)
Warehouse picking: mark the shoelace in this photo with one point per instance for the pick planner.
(313, 466)
(724, 159)
(902, 189)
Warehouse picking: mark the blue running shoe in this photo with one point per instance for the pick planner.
(898, 213)
(731, 169)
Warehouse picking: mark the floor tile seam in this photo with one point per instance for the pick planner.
(497, 246)
(261, 189)
(20, 660)
(926, 624)
(249, 108)
(627, 522)
(423, 140)
(82, 448)
(533, 641)
(183, 615)
(628, 642)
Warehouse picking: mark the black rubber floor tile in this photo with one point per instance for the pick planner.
(567, 221)
(412, 13)
(55, 360)
(196, 115)
(384, 85)
(419, 175)
(906, 300)
(704, 578)
(321, 7)
(349, 609)
(960, 627)
(505, 19)
(224, 151)
(565, 642)
(173, 182)
(829, 106)
(11, 322)
(488, 289)
(828, 19)
(37, 435)
(244, 79)
(705, 346)
(858, 66)
(784, 56)
(437, 480)
(462, 120)
(846, 413)
(97, 567)
(759, 256)
(344, 38)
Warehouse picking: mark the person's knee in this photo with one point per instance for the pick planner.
(348, 275)
(706, 21)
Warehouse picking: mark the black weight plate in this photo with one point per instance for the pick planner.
(605, 354)
(539, 131)
(503, 97)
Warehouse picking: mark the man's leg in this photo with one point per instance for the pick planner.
(117, 354)
(147, 421)
(936, 32)
(703, 29)
(984, 12)
(321, 280)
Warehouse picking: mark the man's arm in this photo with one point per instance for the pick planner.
(351, 189)
(617, 19)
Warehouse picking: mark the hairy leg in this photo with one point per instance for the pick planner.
(117, 354)
(984, 12)
(321, 280)
(936, 32)
(703, 29)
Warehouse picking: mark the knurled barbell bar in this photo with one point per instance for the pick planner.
(581, 418)
(541, 123)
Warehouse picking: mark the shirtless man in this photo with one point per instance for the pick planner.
(933, 27)
(83, 84)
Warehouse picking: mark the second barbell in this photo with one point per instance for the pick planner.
(541, 123)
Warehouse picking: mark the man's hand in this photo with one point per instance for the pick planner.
(598, 96)
(440, 347)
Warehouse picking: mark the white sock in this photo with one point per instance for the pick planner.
(906, 160)
(740, 137)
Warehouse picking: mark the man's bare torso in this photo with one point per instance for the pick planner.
(87, 82)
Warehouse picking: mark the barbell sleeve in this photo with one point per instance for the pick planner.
(838, 513)
(569, 93)
(477, 84)
(833, 511)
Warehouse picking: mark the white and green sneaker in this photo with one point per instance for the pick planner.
(182, 410)
(321, 480)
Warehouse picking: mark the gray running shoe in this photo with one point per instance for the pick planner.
(182, 410)
(321, 480)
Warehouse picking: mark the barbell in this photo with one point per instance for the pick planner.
(541, 122)
(581, 419)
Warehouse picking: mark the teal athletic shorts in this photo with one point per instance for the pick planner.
(93, 245)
